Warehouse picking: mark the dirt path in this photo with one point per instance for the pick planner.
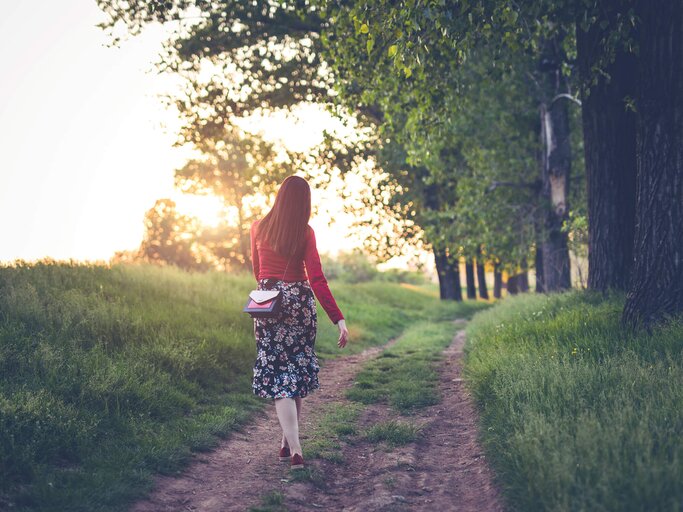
(243, 468)
(444, 471)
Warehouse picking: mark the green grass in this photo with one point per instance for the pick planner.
(578, 413)
(271, 502)
(308, 474)
(336, 424)
(393, 432)
(405, 374)
(108, 375)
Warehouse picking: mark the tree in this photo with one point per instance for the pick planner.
(426, 43)
(170, 238)
(418, 203)
(608, 73)
(466, 136)
(556, 161)
(241, 169)
(656, 285)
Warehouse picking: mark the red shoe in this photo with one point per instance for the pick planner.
(284, 454)
(297, 462)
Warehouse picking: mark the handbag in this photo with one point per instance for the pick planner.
(265, 303)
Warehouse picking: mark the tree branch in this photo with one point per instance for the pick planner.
(567, 96)
(515, 184)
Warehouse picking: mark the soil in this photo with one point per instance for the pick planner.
(444, 470)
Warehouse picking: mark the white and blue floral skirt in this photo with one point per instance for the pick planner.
(286, 365)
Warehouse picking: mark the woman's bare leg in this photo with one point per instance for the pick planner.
(299, 403)
(287, 415)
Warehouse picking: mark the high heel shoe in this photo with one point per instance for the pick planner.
(284, 454)
(297, 462)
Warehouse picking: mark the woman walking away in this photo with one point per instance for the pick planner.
(285, 257)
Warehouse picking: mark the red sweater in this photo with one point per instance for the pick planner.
(269, 264)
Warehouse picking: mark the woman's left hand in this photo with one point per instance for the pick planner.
(343, 333)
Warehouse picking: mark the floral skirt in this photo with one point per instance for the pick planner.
(286, 365)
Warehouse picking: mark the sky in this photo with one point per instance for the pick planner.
(85, 143)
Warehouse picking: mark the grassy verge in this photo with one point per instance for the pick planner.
(110, 374)
(577, 413)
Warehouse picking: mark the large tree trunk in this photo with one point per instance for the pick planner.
(609, 133)
(481, 276)
(557, 157)
(497, 281)
(656, 286)
(469, 274)
(449, 276)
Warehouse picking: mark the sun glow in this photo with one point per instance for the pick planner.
(72, 200)
(209, 209)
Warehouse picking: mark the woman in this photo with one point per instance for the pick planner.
(284, 256)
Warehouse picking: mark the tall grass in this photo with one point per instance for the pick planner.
(110, 374)
(578, 413)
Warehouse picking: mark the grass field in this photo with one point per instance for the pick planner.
(110, 374)
(577, 413)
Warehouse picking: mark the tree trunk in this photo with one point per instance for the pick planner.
(609, 132)
(554, 112)
(449, 276)
(538, 264)
(481, 276)
(469, 274)
(497, 281)
(512, 285)
(656, 286)
(454, 272)
(523, 277)
(539, 218)
(439, 258)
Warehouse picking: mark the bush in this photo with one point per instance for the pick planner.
(394, 275)
(356, 267)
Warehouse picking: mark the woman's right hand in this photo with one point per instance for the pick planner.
(343, 333)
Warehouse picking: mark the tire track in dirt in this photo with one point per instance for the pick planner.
(443, 471)
(244, 467)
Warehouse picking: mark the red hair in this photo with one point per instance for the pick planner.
(284, 226)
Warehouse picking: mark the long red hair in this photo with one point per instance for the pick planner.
(284, 226)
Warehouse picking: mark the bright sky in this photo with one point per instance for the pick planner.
(85, 145)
